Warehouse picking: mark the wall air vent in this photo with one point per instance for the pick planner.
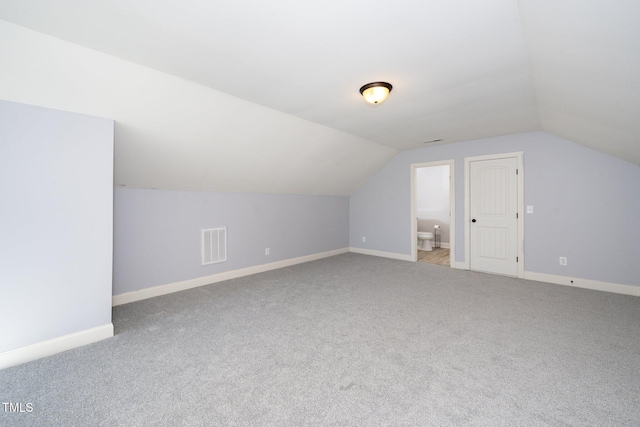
(214, 245)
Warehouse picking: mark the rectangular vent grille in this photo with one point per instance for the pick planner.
(214, 245)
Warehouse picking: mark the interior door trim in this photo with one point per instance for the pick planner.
(452, 208)
(467, 219)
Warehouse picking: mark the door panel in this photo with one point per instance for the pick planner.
(493, 210)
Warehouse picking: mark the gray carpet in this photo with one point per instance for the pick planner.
(350, 340)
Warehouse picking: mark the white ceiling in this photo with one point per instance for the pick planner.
(461, 69)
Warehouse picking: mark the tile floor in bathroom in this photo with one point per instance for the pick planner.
(439, 256)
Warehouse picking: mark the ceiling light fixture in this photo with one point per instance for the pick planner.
(376, 92)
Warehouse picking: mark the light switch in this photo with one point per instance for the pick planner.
(530, 209)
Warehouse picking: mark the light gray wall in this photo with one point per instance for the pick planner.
(157, 232)
(586, 206)
(56, 223)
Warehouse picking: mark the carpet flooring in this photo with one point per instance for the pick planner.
(351, 340)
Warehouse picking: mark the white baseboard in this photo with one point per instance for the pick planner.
(460, 265)
(392, 255)
(219, 277)
(583, 283)
(55, 345)
(445, 245)
(228, 275)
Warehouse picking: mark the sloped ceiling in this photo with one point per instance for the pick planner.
(461, 70)
(585, 57)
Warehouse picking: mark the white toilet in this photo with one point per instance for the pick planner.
(424, 240)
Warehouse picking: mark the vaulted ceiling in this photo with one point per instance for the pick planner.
(460, 69)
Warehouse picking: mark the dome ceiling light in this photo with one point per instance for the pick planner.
(376, 92)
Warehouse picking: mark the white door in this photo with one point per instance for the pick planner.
(493, 193)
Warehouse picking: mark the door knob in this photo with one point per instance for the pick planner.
(473, 220)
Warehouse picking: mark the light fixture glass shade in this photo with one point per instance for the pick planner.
(375, 93)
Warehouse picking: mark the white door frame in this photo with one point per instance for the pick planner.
(452, 206)
(467, 195)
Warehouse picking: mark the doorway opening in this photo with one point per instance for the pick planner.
(433, 212)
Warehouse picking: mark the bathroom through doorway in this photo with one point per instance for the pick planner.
(432, 207)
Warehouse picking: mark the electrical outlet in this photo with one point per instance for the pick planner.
(267, 251)
(563, 260)
(529, 209)
(364, 239)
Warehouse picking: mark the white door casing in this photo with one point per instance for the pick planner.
(452, 209)
(494, 225)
